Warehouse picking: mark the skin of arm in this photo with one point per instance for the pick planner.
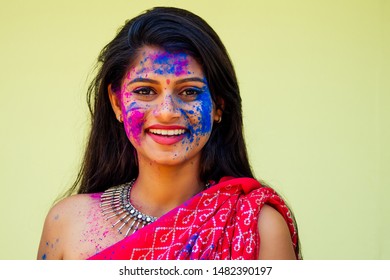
(275, 236)
(52, 239)
(63, 228)
(75, 229)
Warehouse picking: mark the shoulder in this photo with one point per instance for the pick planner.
(275, 238)
(70, 207)
(61, 220)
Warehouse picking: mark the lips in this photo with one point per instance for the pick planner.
(166, 135)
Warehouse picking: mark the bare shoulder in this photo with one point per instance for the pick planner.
(63, 219)
(275, 239)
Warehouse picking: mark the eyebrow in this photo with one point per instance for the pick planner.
(193, 79)
(144, 80)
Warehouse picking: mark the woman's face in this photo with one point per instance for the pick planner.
(166, 106)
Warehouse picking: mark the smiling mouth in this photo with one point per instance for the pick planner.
(167, 132)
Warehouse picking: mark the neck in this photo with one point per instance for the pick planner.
(159, 188)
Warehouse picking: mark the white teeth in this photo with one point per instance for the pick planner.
(168, 132)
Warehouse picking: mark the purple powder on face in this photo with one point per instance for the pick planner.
(134, 125)
(165, 63)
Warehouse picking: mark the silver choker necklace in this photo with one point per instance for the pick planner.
(115, 202)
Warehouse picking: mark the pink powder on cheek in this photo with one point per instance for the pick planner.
(125, 95)
(134, 125)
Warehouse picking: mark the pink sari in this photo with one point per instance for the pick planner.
(220, 223)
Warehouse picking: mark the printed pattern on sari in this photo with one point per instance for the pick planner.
(220, 223)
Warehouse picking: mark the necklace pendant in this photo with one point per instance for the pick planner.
(115, 202)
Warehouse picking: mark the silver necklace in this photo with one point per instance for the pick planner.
(115, 202)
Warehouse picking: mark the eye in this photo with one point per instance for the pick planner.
(145, 91)
(191, 92)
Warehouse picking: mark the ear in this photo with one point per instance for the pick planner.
(115, 103)
(218, 111)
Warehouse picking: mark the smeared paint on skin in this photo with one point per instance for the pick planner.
(197, 112)
(132, 70)
(44, 257)
(137, 119)
(164, 63)
(203, 110)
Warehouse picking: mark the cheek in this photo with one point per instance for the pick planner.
(134, 121)
(200, 117)
(206, 117)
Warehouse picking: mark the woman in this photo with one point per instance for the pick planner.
(166, 173)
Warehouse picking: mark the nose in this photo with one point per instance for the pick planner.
(168, 109)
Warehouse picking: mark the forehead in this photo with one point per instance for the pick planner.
(155, 60)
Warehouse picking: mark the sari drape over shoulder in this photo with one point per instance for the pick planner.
(219, 223)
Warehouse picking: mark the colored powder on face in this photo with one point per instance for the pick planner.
(128, 75)
(165, 63)
(204, 111)
(133, 106)
(44, 257)
(134, 125)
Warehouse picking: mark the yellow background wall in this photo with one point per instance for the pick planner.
(314, 78)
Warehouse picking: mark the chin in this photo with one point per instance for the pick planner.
(170, 159)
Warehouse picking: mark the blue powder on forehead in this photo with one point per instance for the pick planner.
(159, 71)
(167, 57)
(170, 63)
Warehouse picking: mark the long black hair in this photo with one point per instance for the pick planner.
(110, 159)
